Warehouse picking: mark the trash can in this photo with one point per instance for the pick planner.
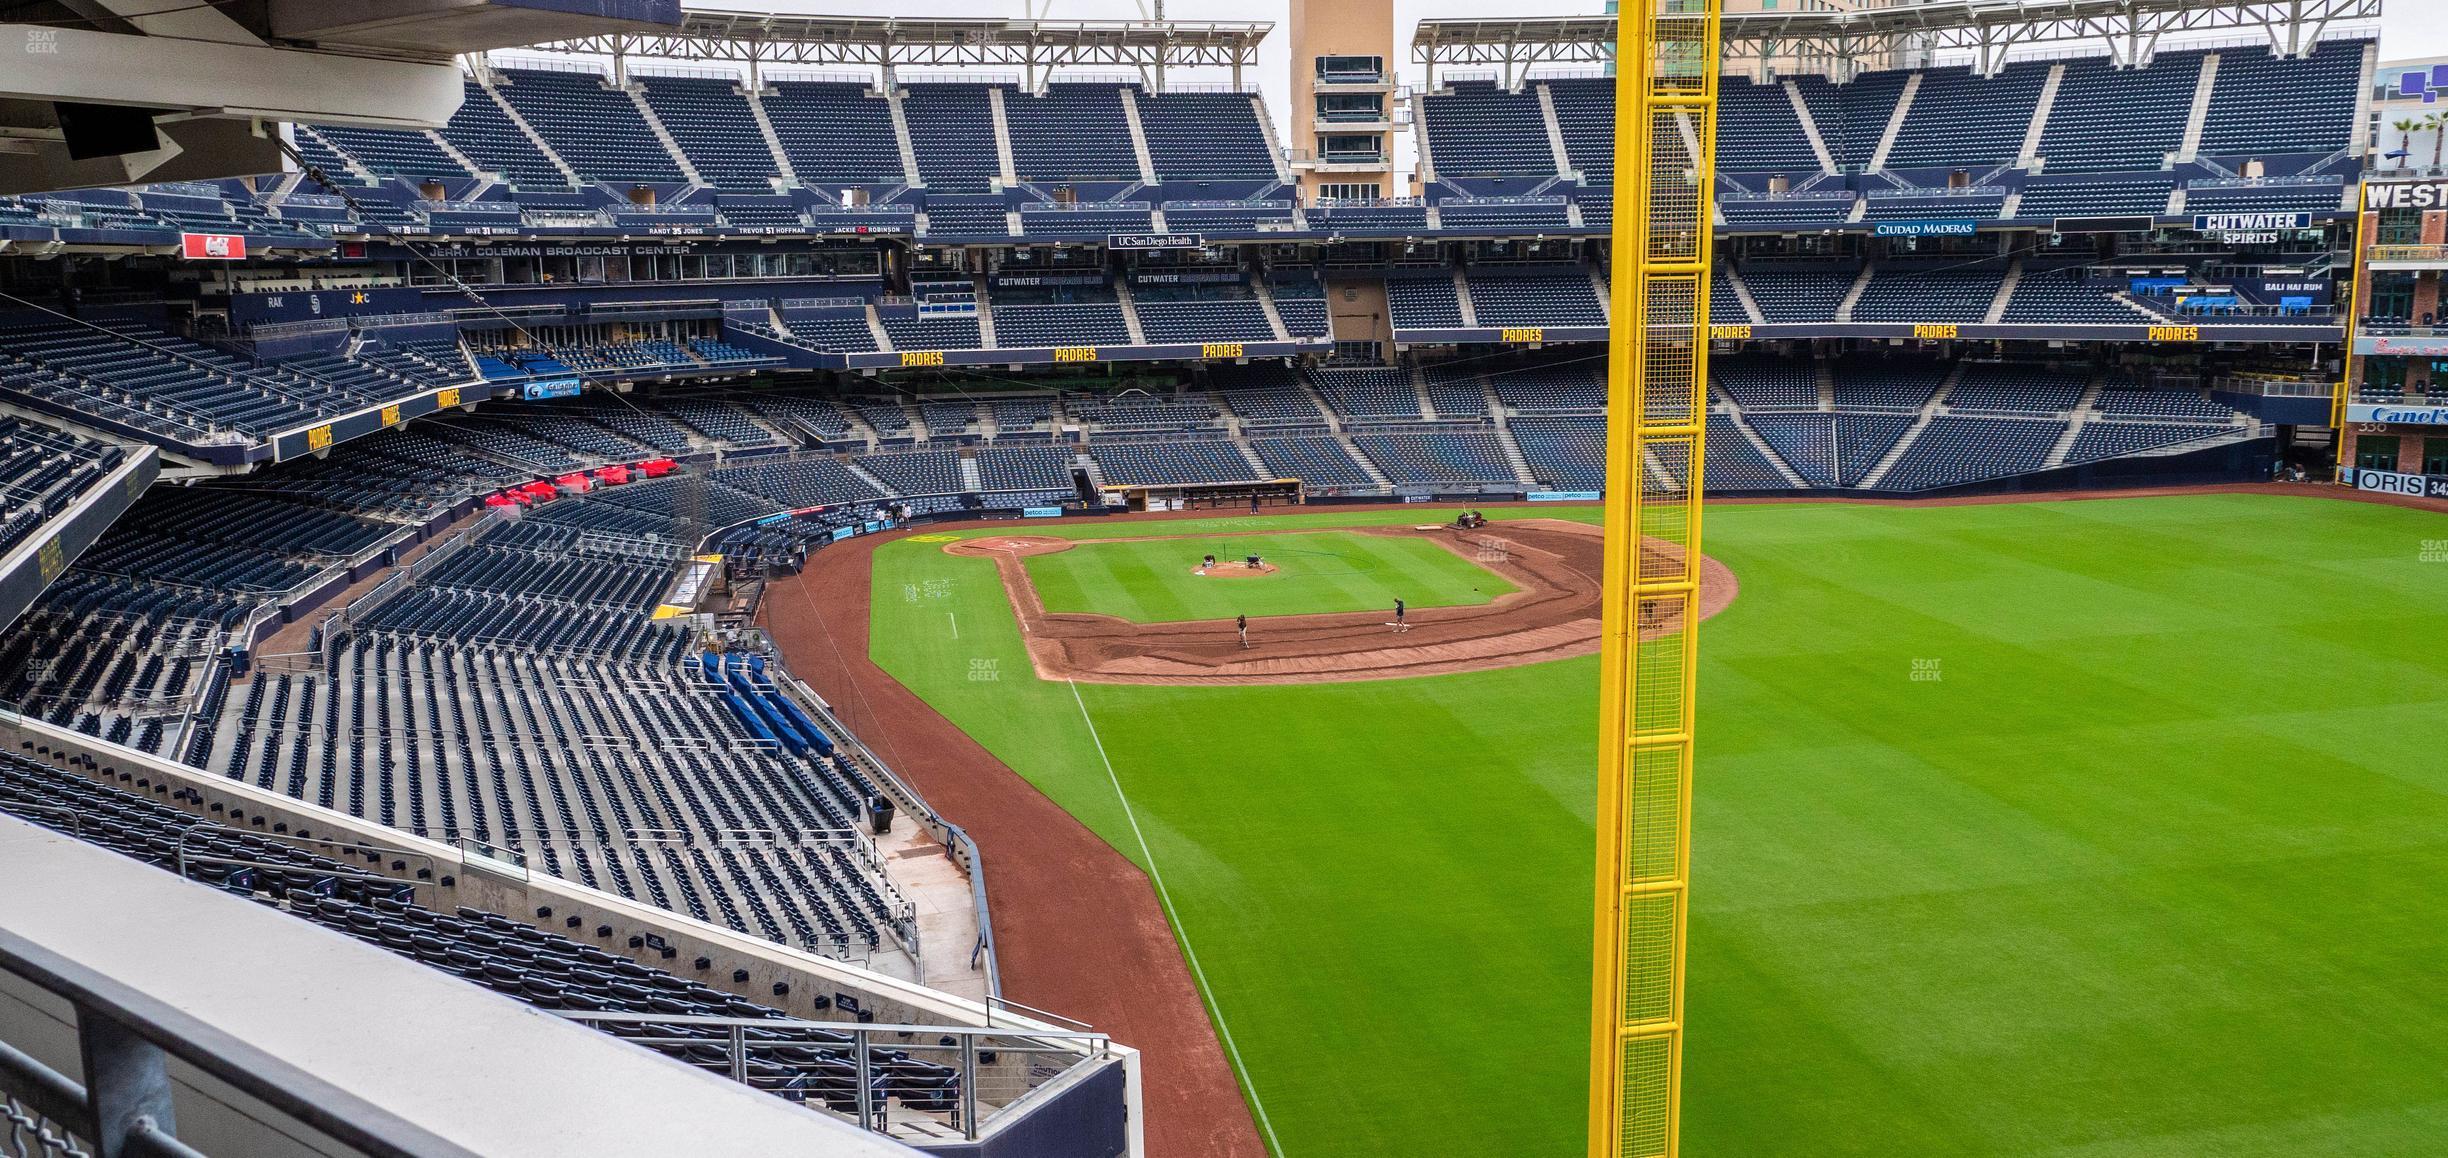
(879, 815)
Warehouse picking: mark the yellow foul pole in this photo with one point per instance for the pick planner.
(1665, 163)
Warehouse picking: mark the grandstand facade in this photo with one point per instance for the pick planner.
(422, 495)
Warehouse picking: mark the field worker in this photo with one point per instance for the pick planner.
(1241, 625)
(1399, 608)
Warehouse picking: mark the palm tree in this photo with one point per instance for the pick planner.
(2405, 127)
(2438, 124)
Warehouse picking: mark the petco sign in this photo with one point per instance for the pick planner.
(2406, 195)
(212, 246)
(2401, 415)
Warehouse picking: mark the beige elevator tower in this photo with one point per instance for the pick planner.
(1343, 91)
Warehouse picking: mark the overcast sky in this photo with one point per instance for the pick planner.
(2410, 28)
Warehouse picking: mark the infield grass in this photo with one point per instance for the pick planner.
(2151, 866)
(1154, 580)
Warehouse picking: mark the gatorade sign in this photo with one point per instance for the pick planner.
(212, 246)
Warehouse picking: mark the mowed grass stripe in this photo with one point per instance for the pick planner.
(2150, 869)
(1154, 580)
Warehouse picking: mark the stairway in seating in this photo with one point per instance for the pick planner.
(533, 137)
(2084, 411)
(1853, 296)
(765, 129)
(2200, 112)
(1878, 470)
(1784, 470)
(893, 92)
(637, 97)
(1895, 123)
(1138, 136)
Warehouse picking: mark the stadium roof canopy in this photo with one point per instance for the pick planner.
(1034, 46)
(106, 92)
(1989, 29)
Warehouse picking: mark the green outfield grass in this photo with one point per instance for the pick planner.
(1152, 580)
(2151, 867)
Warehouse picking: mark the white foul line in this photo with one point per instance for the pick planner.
(955, 624)
(1166, 898)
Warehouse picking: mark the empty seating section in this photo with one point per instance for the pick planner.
(1234, 319)
(2046, 196)
(2100, 440)
(1465, 457)
(974, 216)
(1302, 306)
(1906, 293)
(1585, 111)
(1767, 383)
(951, 129)
(1993, 388)
(1567, 298)
(487, 136)
(1195, 136)
(716, 131)
(1805, 440)
(1919, 205)
(1084, 221)
(2107, 119)
(1082, 323)
(1071, 132)
(594, 127)
(1864, 440)
(1576, 387)
(1477, 129)
(911, 331)
(1368, 394)
(800, 482)
(1743, 210)
(2066, 296)
(2126, 400)
(1024, 468)
(1318, 460)
(161, 384)
(1891, 384)
(1564, 452)
(393, 152)
(45, 471)
(1734, 462)
(2260, 104)
(834, 133)
(1757, 130)
(1865, 106)
(1955, 449)
(1424, 303)
(1791, 294)
(1540, 214)
(916, 472)
(1140, 412)
(1174, 460)
(1958, 118)
(1456, 391)
(835, 331)
(2302, 197)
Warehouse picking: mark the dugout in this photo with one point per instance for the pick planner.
(1281, 492)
